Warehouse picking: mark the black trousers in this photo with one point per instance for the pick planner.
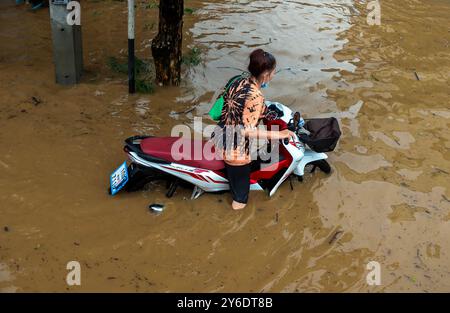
(239, 178)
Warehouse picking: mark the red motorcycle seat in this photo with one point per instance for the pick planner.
(184, 151)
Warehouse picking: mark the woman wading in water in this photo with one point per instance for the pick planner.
(242, 109)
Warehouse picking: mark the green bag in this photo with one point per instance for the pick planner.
(216, 110)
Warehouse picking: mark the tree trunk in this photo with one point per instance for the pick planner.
(166, 46)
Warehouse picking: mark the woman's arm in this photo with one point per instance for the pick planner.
(261, 133)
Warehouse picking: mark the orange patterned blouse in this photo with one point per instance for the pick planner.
(243, 107)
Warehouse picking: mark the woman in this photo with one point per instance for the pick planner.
(243, 108)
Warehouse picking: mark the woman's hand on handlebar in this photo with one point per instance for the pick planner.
(287, 134)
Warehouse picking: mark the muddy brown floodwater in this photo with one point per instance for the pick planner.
(387, 199)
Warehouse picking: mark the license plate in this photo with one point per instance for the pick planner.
(119, 178)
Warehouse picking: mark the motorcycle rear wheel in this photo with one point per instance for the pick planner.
(139, 177)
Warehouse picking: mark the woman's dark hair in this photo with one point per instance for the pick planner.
(261, 61)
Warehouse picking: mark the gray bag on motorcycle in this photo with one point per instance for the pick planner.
(324, 134)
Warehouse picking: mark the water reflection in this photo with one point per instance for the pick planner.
(303, 35)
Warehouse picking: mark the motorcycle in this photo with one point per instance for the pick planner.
(153, 158)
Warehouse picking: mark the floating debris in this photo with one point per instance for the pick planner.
(335, 236)
(156, 208)
(437, 170)
(183, 112)
(35, 100)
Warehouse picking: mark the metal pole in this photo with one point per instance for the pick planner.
(131, 58)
